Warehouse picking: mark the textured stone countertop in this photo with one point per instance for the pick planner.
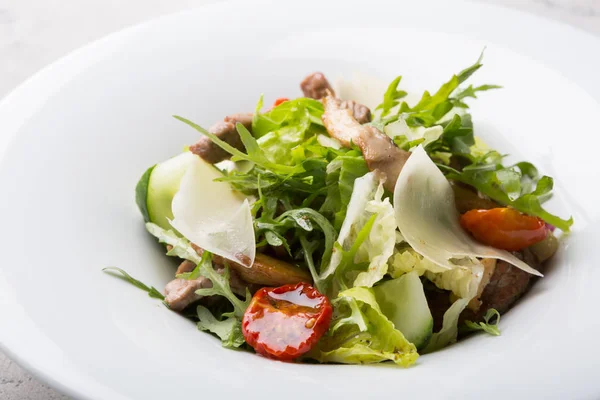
(35, 33)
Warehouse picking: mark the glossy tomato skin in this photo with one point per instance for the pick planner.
(504, 228)
(285, 322)
(280, 100)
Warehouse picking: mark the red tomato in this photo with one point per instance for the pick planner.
(286, 322)
(280, 100)
(504, 228)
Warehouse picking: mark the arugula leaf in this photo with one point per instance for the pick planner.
(151, 290)
(220, 285)
(486, 326)
(229, 329)
(457, 137)
(470, 91)
(255, 153)
(306, 220)
(391, 97)
(431, 108)
(181, 247)
(503, 184)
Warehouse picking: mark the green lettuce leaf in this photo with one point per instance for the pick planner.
(403, 301)
(282, 130)
(449, 332)
(361, 334)
(487, 326)
(366, 208)
(341, 174)
(229, 329)
(456, 138)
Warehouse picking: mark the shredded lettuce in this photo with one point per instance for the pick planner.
(487, 325)
(341, 175)
(361, 334)
(366, 207)
(379, 245)
(449, 332)
(405, 260)
(463, 282)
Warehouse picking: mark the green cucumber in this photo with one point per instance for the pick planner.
(157, 187)
(141, 193)
(403, 301)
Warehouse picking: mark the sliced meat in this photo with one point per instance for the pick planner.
(265, 271)
(378, 149)
(180, 293)
(361, 113)
(185, 266)
(507, 284)
(316, 86)
(226, 131)
(269, 271)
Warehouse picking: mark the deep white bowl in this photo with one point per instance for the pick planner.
(83, 130)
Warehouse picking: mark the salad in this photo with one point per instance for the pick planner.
(320, 229)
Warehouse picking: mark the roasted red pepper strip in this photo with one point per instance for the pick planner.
(286, 322)
(280, 100)
(504, 228)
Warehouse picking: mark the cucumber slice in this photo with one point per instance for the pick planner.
(141, 193)
(403, 301)
(157, 187)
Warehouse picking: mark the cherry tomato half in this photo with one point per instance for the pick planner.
(286, 322)
(280, 100)
(504, 228)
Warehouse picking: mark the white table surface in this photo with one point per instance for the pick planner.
(34, 33)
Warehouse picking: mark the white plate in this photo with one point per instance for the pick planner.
(85, 128)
